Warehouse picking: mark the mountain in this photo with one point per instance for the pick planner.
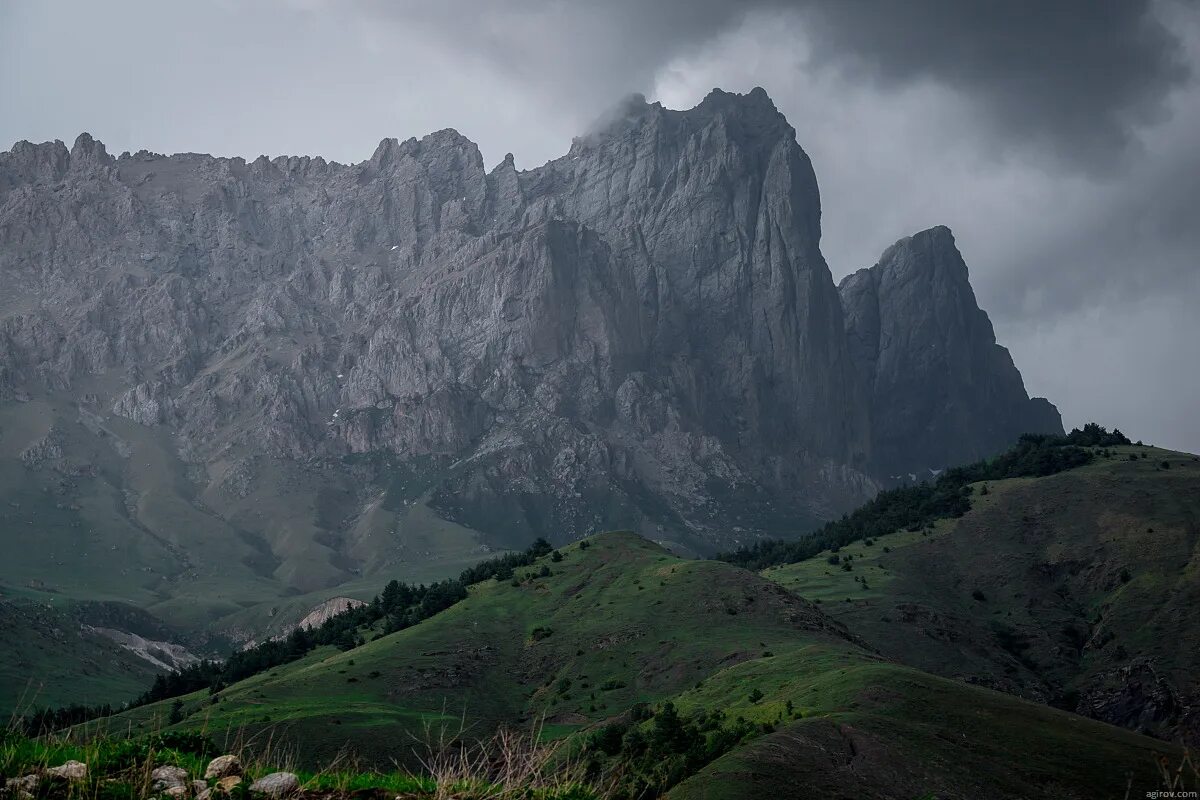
(223, 383)
(941, 391)
(1076, 589)
(632, 653)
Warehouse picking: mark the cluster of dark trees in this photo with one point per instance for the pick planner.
(501, 568)
(915, 507)
(671, 748)
(42, 720)
(399, 606)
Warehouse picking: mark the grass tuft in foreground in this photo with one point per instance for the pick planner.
(507, 766)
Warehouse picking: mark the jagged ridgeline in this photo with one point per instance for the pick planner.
(318, 369)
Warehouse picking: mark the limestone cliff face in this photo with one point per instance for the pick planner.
(942, 392)
(642, 333)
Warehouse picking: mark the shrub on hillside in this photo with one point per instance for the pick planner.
(651, 757)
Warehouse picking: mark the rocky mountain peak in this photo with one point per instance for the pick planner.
(943, 392)
(28, 163)
(89, 153)
(939, 257)
(641, 334)
(389, 150)
(751, 116)
(755, 102)
(442, 151)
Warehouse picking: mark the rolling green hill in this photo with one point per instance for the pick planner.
(943, 652)
(1078, 589)
(619, 622)
(735, 672)
(95, 507)
(54, 658)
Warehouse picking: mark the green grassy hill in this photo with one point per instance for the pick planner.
(1080, 589)
(95, 508)
(770, 690)
(878, 730)
(52, 659)
(617, 623)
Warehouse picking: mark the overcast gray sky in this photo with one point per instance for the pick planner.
(1058, 139)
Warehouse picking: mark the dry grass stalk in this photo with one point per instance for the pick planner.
(508, 764)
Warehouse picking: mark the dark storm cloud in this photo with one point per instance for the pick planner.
(1074, 75)
(1071, 77)
(1128, 244)
(1041, 237)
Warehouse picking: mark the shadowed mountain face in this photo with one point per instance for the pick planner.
(288, 359)
(941, 391)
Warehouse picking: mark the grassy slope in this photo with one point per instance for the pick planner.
(52, 662)
(121, 527)
(1049, 587)
(120, 517)
(622, 612)
(625, 614)
(876, 729)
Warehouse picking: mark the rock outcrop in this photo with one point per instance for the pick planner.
(69, 771)
(277, 784)
(642, 333)
(166, 656)
(941, 391)
(168, 777)
(223, 767)
(328, 610)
